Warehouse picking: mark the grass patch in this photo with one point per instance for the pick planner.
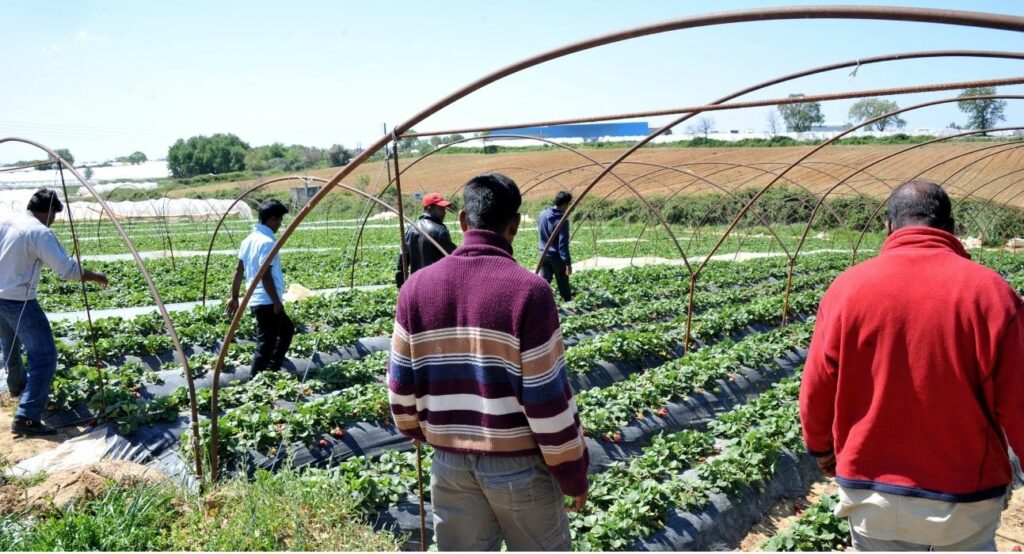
(284, 511)
(125, 518)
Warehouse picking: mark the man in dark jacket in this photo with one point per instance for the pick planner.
(914, 385)
(421, 251)
(555, 261)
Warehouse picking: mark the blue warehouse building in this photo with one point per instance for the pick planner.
(584, 131)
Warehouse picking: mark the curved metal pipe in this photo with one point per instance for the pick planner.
(168, 324)
(971, 19)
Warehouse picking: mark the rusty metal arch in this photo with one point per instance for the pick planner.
(924, 15)
(1016, 145)
(168, 324)
(215, 386)
(241, 197)
(753, 167)
(824, 196)
(902, 151)
(575, 151)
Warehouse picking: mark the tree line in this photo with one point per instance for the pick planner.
(225, 152)
(982, 113)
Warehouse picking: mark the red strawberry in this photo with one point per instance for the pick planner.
(138, 395)
(1017, 548)
(607, 438)
(338, 432)
(663, 412)
(732, 379)
(797, 509)
(617, 437)
(323, 443)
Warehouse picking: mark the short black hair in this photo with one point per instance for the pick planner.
(45, 200)
(920, 202)
(563, 197)
(272, 208)
(491, 201)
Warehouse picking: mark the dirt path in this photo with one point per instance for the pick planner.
(1011, 530)
(782, 514)
(15, 449)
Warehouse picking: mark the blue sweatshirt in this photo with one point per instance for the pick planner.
(546, 223)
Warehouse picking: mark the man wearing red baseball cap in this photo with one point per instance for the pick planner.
(421, 251)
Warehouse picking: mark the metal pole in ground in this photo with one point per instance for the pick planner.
(419, 481)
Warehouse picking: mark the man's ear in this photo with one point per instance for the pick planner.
(463, 221)
(513, 226)
(888, 227)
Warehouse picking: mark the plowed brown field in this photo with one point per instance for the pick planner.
(985, 170)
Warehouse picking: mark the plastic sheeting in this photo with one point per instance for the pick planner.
(692, 412)
(15, 201)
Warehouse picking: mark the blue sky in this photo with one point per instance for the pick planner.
(105, 78)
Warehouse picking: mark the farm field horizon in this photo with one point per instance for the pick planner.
(786, 320)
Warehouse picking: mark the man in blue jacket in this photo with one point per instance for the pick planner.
(556, 261)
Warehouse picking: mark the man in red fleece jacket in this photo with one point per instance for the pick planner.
(914, 386)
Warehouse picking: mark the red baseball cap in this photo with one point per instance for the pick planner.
(435, 199)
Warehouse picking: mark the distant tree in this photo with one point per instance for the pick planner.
(954, 125)
(982, 113)
(772, 124)
(704, 126)
(800, 118)
(869, 108)
(87, 174)
(219, 153)
(63, 153)
(136, 158)
(338, 155)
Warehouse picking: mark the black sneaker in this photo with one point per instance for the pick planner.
(31, 428)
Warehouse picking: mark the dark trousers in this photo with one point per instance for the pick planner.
(274, 334)
(553, 266)
(24, 323)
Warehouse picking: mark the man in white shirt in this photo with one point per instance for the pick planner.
(26, 243)
(274, 329)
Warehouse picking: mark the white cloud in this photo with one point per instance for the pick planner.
(86, 36)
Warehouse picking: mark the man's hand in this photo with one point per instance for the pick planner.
(578, 503)
(827, 464)
(568, 270)
(99, 278)
(231, 307)
(278, 308)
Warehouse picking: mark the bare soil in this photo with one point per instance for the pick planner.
(63, 487)
(784, 512)
(700, 170)
(15, 449)
(1011, 530)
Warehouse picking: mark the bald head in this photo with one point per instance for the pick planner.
(920, 203)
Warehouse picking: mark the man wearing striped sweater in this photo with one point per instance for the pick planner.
(477, 371)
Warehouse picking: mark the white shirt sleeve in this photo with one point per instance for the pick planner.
(50, 251)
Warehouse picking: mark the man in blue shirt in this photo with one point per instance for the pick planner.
(556, 262)
(274, 329)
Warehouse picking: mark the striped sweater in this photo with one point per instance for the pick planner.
(477, 362)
